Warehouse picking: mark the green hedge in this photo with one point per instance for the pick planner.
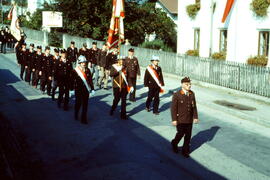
(156, 44)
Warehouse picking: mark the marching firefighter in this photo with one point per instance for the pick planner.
(120, 87)
(55, 62)
(46, 72)
(153, 79)
(83, 84)
(63, 69)
(36, 65)
(133, 70)
(22, 59)
(29, 63)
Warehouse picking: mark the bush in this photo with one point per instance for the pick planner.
(156, 44)
(260, 7)
(55, 40)
(192, 53)
(219, 56)
(193, 9)
(258, 60)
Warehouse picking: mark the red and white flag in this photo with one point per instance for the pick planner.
(14, 26)
(10, 13)
(227, 10)
(116, 32)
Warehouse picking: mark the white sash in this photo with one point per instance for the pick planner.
(152, 73)
(119, 69)
(81, 74)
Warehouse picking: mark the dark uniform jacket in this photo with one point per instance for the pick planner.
(118, 80)
(183, 107)
(62, 72)
(78, 84)
(37, 63)
(132, 66)
(93, 55)
(54, 64)
(72, 54)
(85, 53)
(22, 57)
(149, 80)
(30, 59)
(102, 58)
(46, 64)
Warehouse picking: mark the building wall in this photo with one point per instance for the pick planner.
(243, 29)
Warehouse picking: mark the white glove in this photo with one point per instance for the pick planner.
(131, 89)
(71, 93)
(92, 93)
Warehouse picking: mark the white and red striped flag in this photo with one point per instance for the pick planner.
(116, 32)
(14, 26)
(227, 10)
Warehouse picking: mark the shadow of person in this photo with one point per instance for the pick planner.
(203, 137)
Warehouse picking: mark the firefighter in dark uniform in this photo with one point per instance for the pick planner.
(133, 70)
(82, 90)
(22, 58)
(29, 63)
(72, 53)
(120, 87)
(37, 65)
(154, 87)
(102, 63)
(93, 56)
(56, 59)
(184, 114)
(62, 74)
(46, 71)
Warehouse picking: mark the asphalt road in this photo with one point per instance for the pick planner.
(227, 144)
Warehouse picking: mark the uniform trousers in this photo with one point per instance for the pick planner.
(22, 71)
(63, 93)
(35, 78)
(44, 81)
(183, 130)
(153, 93)
(120, 94)
(132, 81)
(95, 70)
(28, 73)
(81, 100)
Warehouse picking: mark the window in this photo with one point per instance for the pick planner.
(197, 39)
(223, 40)
(263, 43)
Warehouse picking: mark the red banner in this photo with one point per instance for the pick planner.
(227, 10)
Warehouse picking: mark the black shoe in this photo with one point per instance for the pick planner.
(124, 117)
(147, 109)
(186, 155)
(111, 112)
(105, 88)
(156, 113)
(53, 98)
(174, 147)
(84, 122)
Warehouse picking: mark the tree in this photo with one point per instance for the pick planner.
(91, 18)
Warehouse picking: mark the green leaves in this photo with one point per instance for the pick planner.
(260, 7)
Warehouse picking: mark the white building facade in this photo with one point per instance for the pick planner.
(241, 35)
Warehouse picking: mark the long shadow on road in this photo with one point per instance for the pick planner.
(107, 148)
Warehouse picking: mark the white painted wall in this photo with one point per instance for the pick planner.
(243, 29)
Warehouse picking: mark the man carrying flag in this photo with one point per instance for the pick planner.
(120, 87)
(153, 79)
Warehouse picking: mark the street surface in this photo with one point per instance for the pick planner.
(228, 143)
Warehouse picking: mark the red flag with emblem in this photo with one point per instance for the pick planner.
(116, 32)
(227, 10)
